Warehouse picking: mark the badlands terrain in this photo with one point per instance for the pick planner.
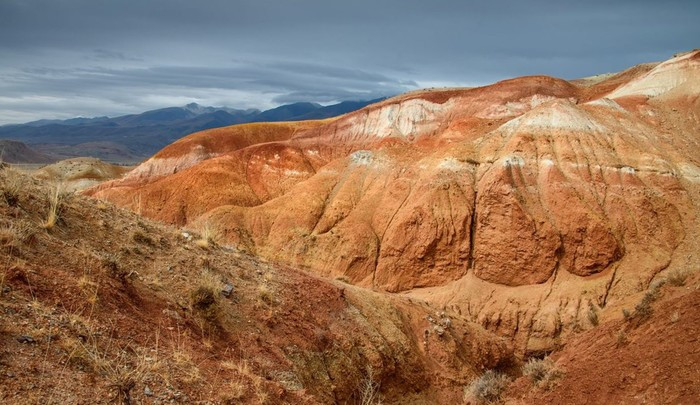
(531, 241)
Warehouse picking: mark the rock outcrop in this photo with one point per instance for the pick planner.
(520, 204)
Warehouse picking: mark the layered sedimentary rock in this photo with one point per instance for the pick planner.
(521, 203)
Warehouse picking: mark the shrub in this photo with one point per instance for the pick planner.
(265, 294)
(643, 310)
(593, 316)
(542, 372)
(489, 387)
(205, 297)
(677, 278)
(626, 314)
(207, 238)
(111, 265)
(203, 301)
(369, 389)
(142, 238)
(621, 338)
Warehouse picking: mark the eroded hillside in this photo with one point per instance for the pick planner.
(518, 204)
(98, 304)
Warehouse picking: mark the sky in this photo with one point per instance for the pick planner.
(69, 58)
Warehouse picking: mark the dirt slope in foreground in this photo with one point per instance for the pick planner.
(103, 305)
(654, 361)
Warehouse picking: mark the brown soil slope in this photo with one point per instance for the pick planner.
(518, 204)
(620, 362)
(102, 305)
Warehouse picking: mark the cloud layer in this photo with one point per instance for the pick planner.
(85, 57)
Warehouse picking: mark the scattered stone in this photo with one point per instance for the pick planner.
(26, 339)
(227, 290)
(147, 391)
(439, 330)
(446, 322)
(172, 314)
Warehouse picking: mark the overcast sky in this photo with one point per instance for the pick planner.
(67, 58)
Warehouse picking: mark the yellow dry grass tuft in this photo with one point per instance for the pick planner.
(55, 201)
(208, 237)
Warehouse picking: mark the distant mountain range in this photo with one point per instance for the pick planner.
(131, 138)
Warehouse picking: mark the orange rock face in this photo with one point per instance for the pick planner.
(517, 203)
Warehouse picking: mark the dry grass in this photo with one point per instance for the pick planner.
(208, 237)
(12, 187)
(675, 316)
(89, 289)
(233, 392)
(136, 204)
(265, 294)
(592, 315)
(626, 314)
(489, 387)
(369, 389)
(121, 370)
(14, 235)
(142, 238)
(55, 201)
(621, 338)
(542, 372)
(643, 310)
(204, 298)
(677, 278)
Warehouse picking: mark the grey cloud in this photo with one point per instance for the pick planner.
(128, 55)
(105, 54)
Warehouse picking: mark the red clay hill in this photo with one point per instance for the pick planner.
(522, 205)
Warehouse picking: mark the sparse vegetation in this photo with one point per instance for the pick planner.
(621, 338)
(204, 297)
(593, 315)
(369, 389)
(675, 316)
(55, 201)
(489, 387)
(643, 310)
(234, 391)
(542, 372)
(265, 294)
(121, 370)
(142, 238)
(677, 278)
(14, 235)
(626, 314)
(208, 237)
(203, 301)
(12, 187)
(111, 265)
